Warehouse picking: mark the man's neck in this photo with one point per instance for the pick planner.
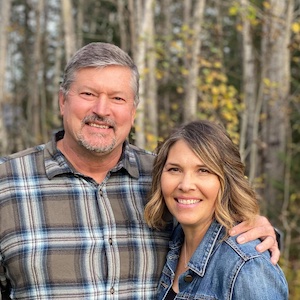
(88, 163)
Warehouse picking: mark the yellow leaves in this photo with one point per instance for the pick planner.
(267, 81)
(295, 27)
(214, 76)
(246, 13)
(215, 90)
(266, 5)
(217, 65)
(180, 90)
(233, 10)
(269, 84)
(227, 115)
(184, 71)
(174, 106)
(294, 197)
(239, 27)
(159, 74)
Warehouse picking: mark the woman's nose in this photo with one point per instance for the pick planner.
(187, 182)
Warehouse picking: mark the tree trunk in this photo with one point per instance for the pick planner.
(249, 83)
(151, 92)
(167, 34)
(276, 34)
(121, 21)
(132, 28)
(80, 21)
(4, 24)
(140, 60)
(191, 90)
(69, 29)
(35, 84)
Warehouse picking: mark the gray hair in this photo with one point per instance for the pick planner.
(100, 55)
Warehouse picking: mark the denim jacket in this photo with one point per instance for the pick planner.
(223, 269)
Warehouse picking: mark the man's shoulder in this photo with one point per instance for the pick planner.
(139, 154)
(141, 151)
(138, 161)
(26, 153)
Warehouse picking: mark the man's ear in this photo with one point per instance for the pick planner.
(133, 117)
(61, 101)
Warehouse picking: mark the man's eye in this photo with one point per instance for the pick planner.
(119, 99)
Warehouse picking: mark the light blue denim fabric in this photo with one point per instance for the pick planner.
(223, 270)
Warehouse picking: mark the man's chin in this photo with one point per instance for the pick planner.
(96, 148)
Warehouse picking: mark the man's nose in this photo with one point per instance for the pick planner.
(101, 106)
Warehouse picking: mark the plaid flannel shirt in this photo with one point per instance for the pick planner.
(63, 236)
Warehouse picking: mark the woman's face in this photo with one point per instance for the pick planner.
(189, 188)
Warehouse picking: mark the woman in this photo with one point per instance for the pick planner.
(199, 178)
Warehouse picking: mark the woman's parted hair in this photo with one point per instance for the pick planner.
(99, 55)
(211, 143)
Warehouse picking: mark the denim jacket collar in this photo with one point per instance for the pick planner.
(208, 245)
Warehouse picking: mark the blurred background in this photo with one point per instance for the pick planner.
(236, 62)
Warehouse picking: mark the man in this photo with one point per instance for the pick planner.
(71, 211)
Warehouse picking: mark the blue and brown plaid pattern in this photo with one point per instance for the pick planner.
(63, 236)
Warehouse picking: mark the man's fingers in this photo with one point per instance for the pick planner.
(247, 232)
(267, 243)
(270, 243)
(262, 230)
(253, 233)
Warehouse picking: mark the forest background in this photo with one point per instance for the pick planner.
(236, 62)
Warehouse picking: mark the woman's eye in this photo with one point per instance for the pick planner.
(202, 170)
(173, 169)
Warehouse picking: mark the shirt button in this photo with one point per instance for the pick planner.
(110, 241)
(188, 278)
(112, 290)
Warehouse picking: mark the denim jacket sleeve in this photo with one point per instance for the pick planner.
(255, 280)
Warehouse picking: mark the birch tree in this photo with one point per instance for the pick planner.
(5, 9)
(276, 57)
(151, 83)
(193, 48)
(250, 120)
(166, 32)
(122, 26)
(69, 28)
(143, 16)
(36, 86)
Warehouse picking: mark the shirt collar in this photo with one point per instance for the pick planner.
(56, 163)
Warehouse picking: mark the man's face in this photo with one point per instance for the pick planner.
(98, 111)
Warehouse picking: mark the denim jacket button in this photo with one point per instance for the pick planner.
(188, 278)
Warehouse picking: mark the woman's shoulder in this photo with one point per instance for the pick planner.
(245, 251)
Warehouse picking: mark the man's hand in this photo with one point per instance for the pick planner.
(261, 229)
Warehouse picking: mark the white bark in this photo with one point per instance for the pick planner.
(151, 102)
(144, 21)
(5, 10)
(69, 28)
(191, 94)
(277, 59)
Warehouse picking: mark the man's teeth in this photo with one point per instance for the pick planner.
(188, 201)
(99, 126)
